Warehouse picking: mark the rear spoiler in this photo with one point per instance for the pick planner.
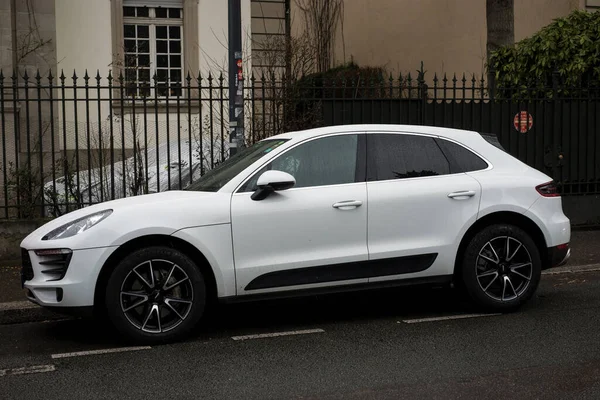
(492, 139)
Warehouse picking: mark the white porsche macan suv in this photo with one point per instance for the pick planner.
(330, 209)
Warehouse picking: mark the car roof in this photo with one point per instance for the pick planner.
(454, 134)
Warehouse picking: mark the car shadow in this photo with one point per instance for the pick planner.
(359, 307)
(224, 320)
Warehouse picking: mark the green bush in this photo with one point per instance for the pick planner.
(569, 47)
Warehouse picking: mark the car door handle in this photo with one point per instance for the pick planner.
(462, 194)
(348, 204)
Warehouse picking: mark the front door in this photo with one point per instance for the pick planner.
(312, 235)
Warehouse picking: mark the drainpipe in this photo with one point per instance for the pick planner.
(13, 23)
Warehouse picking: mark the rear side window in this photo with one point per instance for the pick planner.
(399, 156)
(460, 158)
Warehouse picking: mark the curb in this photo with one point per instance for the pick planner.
(18, 312)
(573, 269)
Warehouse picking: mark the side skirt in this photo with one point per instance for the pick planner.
(343, 272)
(441, 280)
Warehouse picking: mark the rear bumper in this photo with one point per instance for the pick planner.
(557, 256)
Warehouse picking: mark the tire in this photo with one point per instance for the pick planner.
(497, 277)
(161, 308)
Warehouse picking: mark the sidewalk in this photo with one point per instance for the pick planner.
(585, 251)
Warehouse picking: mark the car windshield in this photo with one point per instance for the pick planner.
(217, 177)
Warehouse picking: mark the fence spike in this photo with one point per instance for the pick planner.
(25, 76)
(109, 77)
(188, 78)
(464, 79)
(74, 77)
(454, 80)
(86, 77)
(1, 76)
(14, 76)
(98, 77)
(252, 79)
(210, 78)
(38, 77)
(221, 77)
(50, 76)
(62, 76)
(121, 77)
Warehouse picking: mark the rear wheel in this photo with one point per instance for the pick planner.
(501, 268)
(155, 295)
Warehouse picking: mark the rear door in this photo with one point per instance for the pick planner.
(420, 204)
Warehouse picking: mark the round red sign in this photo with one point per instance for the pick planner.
(523, 122)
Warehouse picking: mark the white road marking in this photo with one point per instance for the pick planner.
(36, 369)
(102, 351)
(448, 317)
(276, 334)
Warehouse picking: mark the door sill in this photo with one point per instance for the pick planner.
(440, 280)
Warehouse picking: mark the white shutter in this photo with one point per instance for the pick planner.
(153, 3)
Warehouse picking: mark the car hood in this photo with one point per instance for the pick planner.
(153, 214)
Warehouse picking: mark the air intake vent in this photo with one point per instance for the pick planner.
(26, 268)
(54, 263)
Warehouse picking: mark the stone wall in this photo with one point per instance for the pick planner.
(11, 235)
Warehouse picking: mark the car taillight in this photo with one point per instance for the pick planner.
(548, 189)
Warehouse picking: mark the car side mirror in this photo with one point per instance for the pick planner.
(272, 181)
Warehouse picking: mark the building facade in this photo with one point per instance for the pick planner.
(449, 36)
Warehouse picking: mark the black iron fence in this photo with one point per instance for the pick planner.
(68, 142)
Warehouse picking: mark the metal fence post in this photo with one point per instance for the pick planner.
(423, 95)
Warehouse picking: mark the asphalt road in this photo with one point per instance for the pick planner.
(362, 346)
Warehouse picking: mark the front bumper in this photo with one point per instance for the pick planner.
(557, 256)
(75, 289)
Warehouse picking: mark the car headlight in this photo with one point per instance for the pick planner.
(77, 226)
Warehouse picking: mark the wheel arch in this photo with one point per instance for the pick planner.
(502, 217)
(147, 241)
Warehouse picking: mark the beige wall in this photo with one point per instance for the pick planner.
(533, 15)
(83, 36)
(447, 35)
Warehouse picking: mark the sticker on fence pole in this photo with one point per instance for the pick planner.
(523, 121)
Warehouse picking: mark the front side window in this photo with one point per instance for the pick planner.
(399, 156)
(153, 47)
(326, 161)
(219, 176)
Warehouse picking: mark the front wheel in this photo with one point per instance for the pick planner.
(155, 295)
(501, 268)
